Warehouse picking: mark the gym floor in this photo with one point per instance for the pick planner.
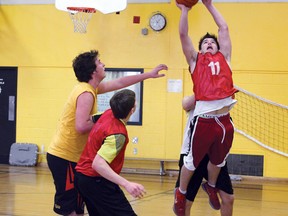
(29, 191)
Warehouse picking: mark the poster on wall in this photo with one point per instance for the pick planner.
(103, 99)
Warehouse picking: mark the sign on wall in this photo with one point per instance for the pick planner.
(103, 99)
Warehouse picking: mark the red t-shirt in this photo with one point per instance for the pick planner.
(212, 77)
(106, 127)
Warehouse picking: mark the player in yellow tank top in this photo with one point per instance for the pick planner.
(67, 142)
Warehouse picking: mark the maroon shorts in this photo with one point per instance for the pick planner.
(211, 135)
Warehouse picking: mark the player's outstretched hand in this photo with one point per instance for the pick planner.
(135, 189)
(154, 73)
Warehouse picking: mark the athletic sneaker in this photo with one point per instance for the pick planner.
(213, 197)
(179, 203)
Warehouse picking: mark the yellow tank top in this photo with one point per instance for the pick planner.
(67, 143)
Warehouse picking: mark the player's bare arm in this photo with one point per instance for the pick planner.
(130, 80)
(101, 166)
(85, 102)
(223, 30)
(188, 103)
(186, 42)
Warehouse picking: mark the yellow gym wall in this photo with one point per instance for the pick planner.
(39, 40)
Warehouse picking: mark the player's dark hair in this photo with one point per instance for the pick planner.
(208, 36)
(122, 102)
(84, 65)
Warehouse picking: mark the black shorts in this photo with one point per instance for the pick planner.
(102, 197)
(66, 199)
(223, 181)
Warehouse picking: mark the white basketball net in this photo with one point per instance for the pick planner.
(80, 20)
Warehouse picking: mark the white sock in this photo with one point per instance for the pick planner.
(183, 192)
(211, 185)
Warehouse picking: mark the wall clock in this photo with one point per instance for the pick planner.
(157, 21)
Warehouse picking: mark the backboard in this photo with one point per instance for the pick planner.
(104, 6)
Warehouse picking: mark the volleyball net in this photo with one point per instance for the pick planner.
(262, 121)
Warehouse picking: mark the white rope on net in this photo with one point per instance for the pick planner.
(262, 121)
(80, 18)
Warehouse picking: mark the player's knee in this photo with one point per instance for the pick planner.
(228, 199)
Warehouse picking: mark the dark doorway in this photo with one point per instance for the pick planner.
(8, 99)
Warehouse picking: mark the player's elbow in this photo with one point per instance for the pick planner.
(188, 103)
(183, 35)
(82, 129)
(185, 107)
(224, 28)
(98, 164)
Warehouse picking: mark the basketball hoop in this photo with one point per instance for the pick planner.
(80, 17)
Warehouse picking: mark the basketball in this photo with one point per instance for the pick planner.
(187, 3)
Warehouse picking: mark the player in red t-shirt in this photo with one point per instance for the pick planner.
(97, 172)
(212, 129)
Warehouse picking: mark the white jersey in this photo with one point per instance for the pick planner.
(203, 107)
(186, 137)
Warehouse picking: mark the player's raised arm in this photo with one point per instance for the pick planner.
(223, 31)
(186, 42)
